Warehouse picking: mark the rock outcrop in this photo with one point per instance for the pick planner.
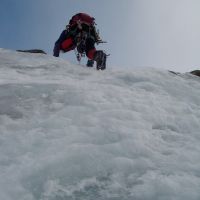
(33, 51)
(195, 72)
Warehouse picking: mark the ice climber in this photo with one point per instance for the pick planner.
(81, 34)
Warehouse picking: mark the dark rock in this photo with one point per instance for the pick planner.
(33, 51)
(176, 73)
(195, 72)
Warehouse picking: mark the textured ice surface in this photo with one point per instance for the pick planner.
(68, 132)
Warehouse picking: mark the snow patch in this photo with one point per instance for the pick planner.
(70, 132)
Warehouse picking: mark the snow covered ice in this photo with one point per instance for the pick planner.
(68, 132)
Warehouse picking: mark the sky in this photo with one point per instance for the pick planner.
(139, 33)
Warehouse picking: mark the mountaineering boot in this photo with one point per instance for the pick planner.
(100, 58)
(90, 63)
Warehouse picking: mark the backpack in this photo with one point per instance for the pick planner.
(82, 18)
